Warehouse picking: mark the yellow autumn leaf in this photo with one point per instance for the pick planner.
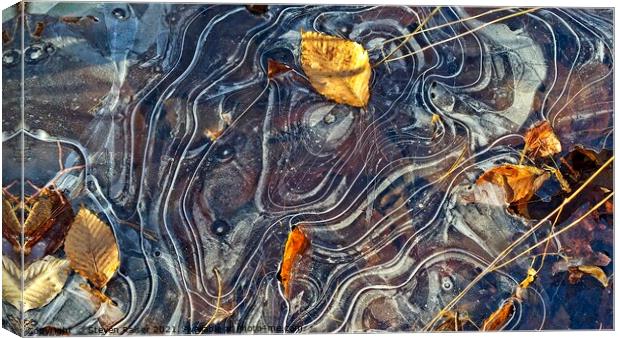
(91, 248)
(338, 69)
(43, 280)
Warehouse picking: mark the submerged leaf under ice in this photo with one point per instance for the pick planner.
(202, 156)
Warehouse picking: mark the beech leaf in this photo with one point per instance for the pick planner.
(9, 219)
(43, 280)
(91, 248)
(40, 213)
(338, 69)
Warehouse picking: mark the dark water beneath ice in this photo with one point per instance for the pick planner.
(134, 93)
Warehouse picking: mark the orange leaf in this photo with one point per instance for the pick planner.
(541, 141)
(498, 319)
(295, 246)
(520, 182)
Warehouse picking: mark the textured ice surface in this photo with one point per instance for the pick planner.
(135, 91)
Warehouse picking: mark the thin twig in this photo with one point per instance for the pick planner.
(495, 10)
(463, 34)
(410, 36)
(217, 305)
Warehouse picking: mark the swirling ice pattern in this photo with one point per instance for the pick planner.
(393, 239)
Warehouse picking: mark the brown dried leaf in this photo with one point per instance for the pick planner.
(43, 280)
(295, 245)
(48, 219)
(91, 248)
(541, 141)
(520, 182)
(498, 319)
(275, 68)
(577, 272)
(338, 69)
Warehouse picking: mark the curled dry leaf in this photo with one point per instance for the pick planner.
(43, 280)
(498, 319)
(338, 69)
(520, 182)
(213, 134)
(91, 248)
(577, 272)
(541, 141)
(295, 245)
